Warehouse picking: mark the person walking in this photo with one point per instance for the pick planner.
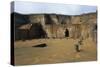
(78, 46)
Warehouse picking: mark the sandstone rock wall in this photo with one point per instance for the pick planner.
(55, 26)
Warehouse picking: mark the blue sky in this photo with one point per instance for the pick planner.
(66, 9)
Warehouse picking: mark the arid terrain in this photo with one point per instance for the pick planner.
(59, 34)
(56, 51)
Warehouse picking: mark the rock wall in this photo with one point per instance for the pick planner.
(55, 26)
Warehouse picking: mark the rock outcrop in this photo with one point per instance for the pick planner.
(59, 26)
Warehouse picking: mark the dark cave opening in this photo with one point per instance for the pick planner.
(66, 33)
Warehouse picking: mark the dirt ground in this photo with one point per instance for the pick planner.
(56, 51)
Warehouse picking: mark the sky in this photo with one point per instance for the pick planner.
(24, 7)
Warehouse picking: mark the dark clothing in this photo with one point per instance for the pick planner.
(77, 48)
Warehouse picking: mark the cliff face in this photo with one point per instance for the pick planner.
(19, 19)
(56, 26)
